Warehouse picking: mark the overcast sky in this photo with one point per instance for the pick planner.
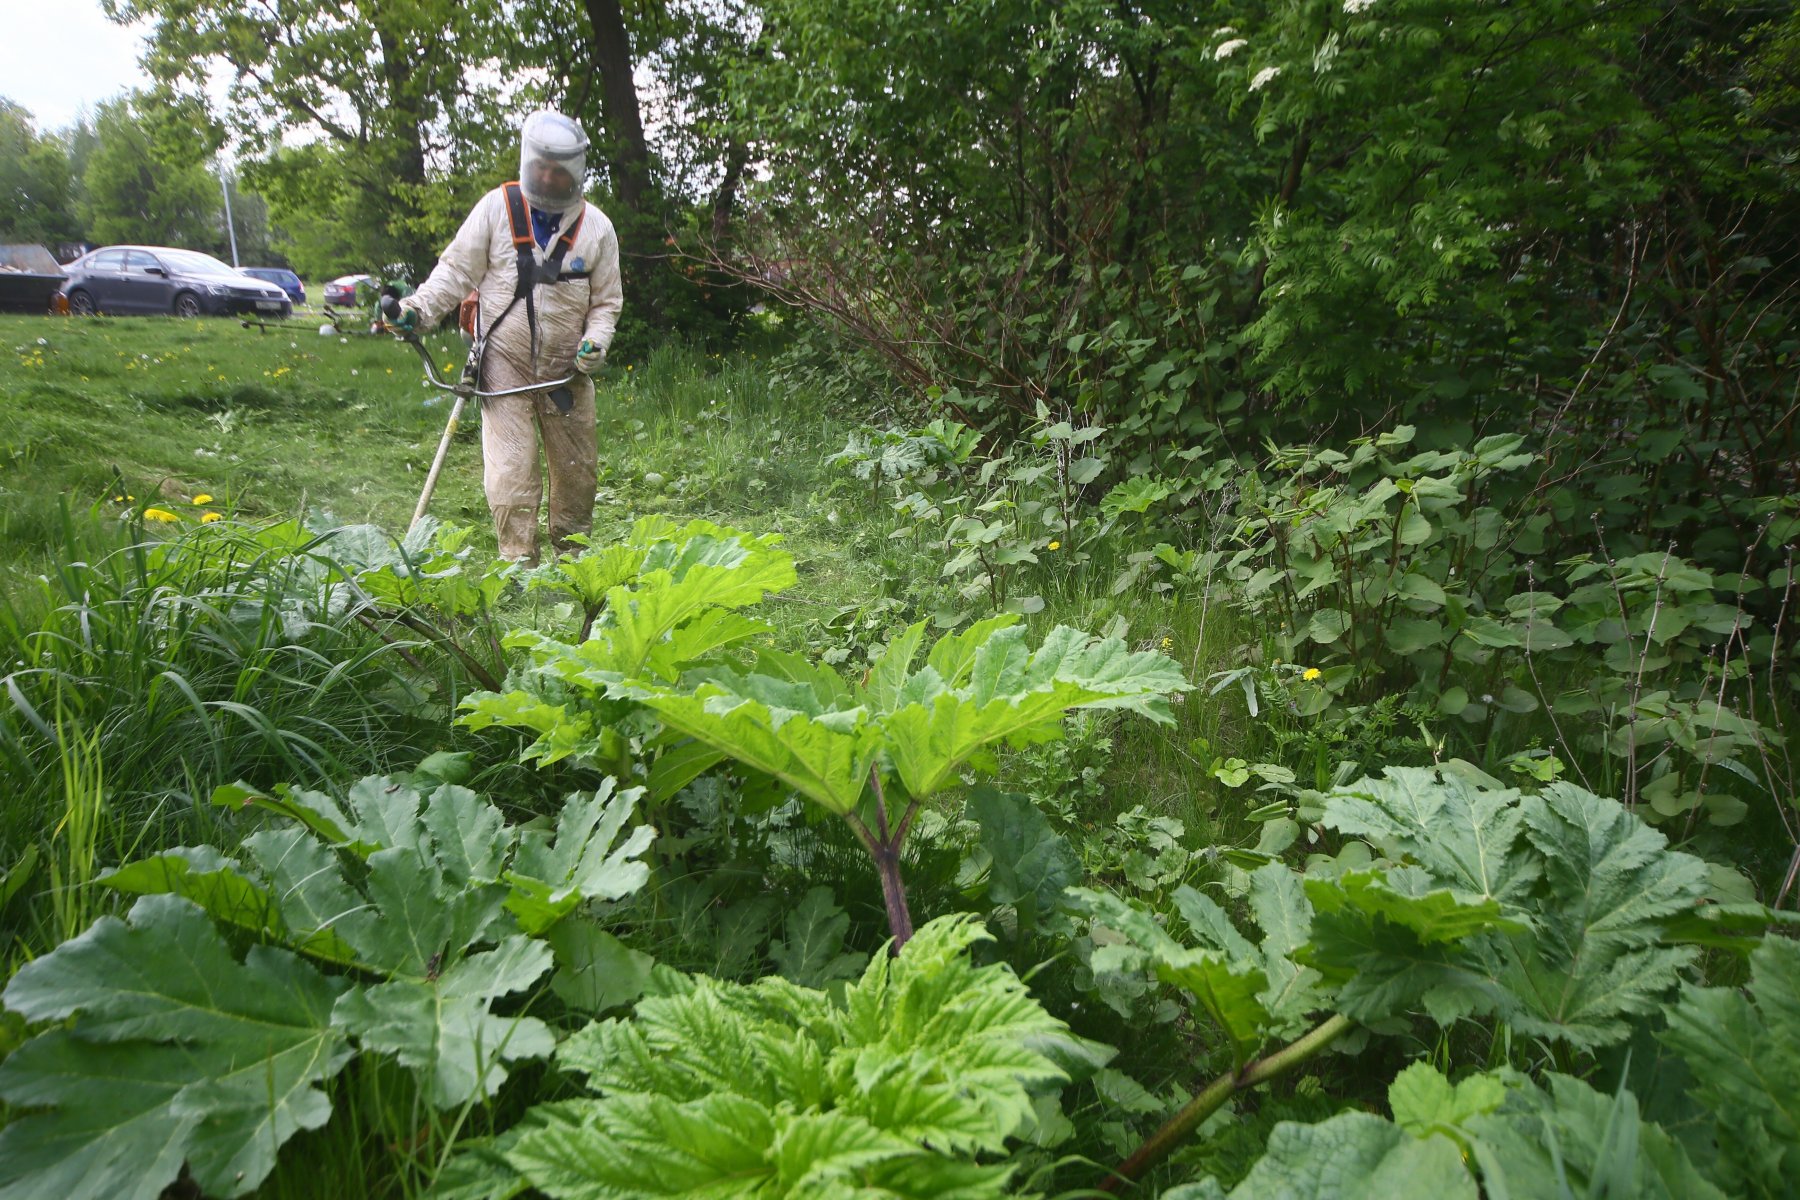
(58, 57)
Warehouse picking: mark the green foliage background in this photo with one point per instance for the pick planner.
(1243, 640)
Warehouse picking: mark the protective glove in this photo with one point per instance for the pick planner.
(408, 319)
(589, 356)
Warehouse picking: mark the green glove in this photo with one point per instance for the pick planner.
(409, 319)
(589, 356)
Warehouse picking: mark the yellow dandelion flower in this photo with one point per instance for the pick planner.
(1054, 546)
(1311, 673)
(207, 518)
(159, 514)
(203, 498)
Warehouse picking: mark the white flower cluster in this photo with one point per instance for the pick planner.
(1263, 76)
(1355, 6)
(1226, 49)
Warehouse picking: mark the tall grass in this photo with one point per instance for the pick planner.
(149, 672)
(76, 838)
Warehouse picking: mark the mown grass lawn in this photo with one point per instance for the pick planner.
(342, 428)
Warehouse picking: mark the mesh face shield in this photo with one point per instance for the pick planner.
(552, 161)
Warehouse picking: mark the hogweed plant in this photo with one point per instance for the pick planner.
(876, 750)
(652, 692)
(398, 924)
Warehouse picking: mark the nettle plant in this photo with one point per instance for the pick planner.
(995, 515)
(1381, 568)
(407, 924)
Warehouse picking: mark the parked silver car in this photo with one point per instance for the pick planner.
(160, 279)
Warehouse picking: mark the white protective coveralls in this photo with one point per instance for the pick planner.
(482, 257)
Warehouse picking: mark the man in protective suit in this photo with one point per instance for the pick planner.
(546, 266)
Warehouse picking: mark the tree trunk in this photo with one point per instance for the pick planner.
(724, 202)
(402, 127)
(627, 153)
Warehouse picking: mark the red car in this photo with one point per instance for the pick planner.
(342, 291)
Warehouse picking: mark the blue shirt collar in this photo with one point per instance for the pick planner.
(544, 226)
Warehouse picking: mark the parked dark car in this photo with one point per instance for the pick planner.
(282, 278)
(160, 279)
(342, 291)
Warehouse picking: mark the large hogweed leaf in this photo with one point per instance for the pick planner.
(1580, 894)
(1594, 954)
(429, 569)
(811, 951)
(895, 1089)
(443, 1026)
(1461, 834)
(173, 1051)
(977, 690)
(433, 893)
(586, 860)
(829, 739)
(696, 569)
(661, 602)
(1744, 1049)
(1029, 863)
(783, 727)
(1353, 1156)
(1562, 1134)
(1497, 1134)
(1225, 976)
(1368, 945)
(1393, 939)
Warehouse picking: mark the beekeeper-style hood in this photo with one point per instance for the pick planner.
(552, 161)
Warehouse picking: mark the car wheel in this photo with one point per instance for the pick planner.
(81, 304)
(187, 305)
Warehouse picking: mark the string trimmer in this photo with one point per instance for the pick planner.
(463, 389)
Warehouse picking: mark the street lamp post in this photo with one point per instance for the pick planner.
(230, 229)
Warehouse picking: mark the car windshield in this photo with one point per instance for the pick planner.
(187, 262)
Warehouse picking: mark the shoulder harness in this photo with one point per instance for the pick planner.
(531, 271)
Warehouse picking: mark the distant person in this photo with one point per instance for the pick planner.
(546, 266)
